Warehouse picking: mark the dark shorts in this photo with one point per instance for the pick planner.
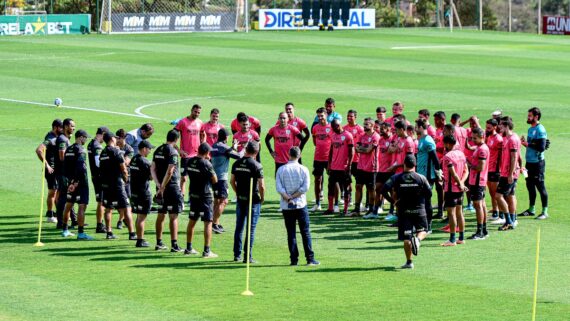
(383, 177)
(319, 168)
(506, 189)
(365, 178)
(51, 180)
(493, 177)
(115, 197)
(452, 199)
(220, 189)
(98, 190)
(183, 166)
(172, 200)
(536, 171)
(128, 189)
(141, 204)
(477, 193)
(354, 169)
(79, 196)
(200, 208)
(411, 223)
(61, 182)
(340, 178)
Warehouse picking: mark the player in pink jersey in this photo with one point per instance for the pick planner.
(322, 140)
(381, 114)
(367, 147)
(209, 130)
(384, 164)
(283, 136)
(411, 132)
(424, 114)
(439, 122)
(509, 173)
(356, 131)
(340, 161)
(460, 132)
(397, 109)
(296, 122)
(189, 128)
(495, 144)
(470, 147)
(455, 174)
(479, 168)
(244, 136)
(254, 123)
(402, 146)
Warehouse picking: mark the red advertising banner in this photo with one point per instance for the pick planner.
(555, 25)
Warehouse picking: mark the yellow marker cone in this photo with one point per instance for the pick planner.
(39, 243)
(247, 292)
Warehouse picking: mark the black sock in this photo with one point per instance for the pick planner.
(174, 243)
(484, 226)
(99, 225)
(132, 234)
(461, 236)
(65, 227)
(159, 242)
(479, 228)
(110, 233)
(80, 229)
(188, 246)
(206, 249)
(408, 261)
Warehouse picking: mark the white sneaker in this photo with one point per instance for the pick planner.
(371, 216)
(317, 207)
(380, 210)
(209, 255)
(341, 201)
(499, 221)
(52, 219)
(336, 209)
(515, 223)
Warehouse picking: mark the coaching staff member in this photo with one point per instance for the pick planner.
(166, 176)
(243, 170)
(50, 148)
(292, 182)
(410, 192)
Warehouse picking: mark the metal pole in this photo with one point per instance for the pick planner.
(246, 16)
(437, 8)
(51, 6)
(398, 13)
(539, 29)
(510, 14)
(481, 15)
(97, 16)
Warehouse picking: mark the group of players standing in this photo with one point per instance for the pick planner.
(393, 159)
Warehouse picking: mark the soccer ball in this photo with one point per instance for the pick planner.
(57, 102)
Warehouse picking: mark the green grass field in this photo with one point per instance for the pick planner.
(115, 79)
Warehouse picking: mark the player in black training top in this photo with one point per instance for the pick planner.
(164, 170)
(50, 149)
(128, 154)
(75, 168)
(141, 198)
(61, 143)
(202, 177)
(94, 149)
(409, 192)
(113, 178)
(243, 171)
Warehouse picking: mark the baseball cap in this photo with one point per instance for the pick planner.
(107, 136)
(103, 129)
(145, 144)
(410, 161)
(204, 148)
(81, 133)
(223, 134)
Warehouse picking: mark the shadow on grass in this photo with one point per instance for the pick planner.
(350, 269)
(200, 264)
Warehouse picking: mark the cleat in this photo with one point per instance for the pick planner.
(407, 266)
(328, 212)
(85, 237)
(142, 243)
(371, 216)
(499, 221)
(477, 237)
(316, 208)
(66, 233)
(101, 229)
(415, 245)
(515, 223)
(119, 225)
(251, 261)
(448, 243)
(542, 216)
(132, 237)
(51, 220)
(391, 218)
(190, 252)
(176, 249)
(209, 255)
(506, 227)
(469, 208)
(160, 247)
(313, 263)
(336, 209)
(216, 230)
(111, 237)
(237, 258)
(460, 241)
(527, 213)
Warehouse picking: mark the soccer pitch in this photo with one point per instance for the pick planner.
(123, 81)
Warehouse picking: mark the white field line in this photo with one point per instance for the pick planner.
(139, 109)
(433, 47)
(78, 108)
